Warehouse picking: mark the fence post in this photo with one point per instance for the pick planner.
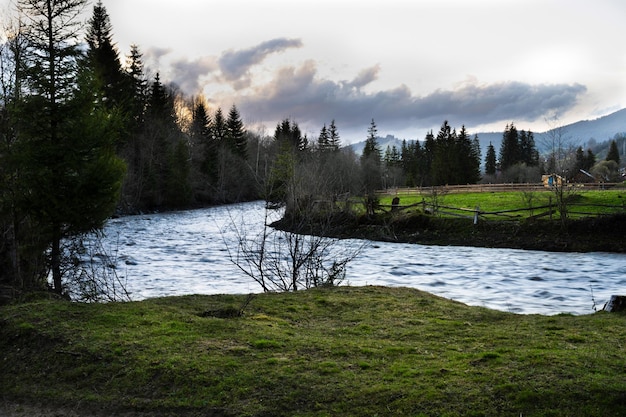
(476, 215)
(550, 206)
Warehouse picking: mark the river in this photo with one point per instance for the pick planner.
(186, 252)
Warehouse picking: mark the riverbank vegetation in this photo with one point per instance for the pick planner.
(322, 352)
(528, 218)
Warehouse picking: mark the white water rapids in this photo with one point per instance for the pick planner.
(186, 252)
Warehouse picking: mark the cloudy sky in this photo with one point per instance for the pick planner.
(408, 64)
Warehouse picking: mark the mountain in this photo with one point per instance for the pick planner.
(388, 140)
(585, 133)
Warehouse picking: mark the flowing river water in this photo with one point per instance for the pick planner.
(186, 252)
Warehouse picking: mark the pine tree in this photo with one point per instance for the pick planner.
(528, 153)
(429, 153)
(613, 154)
(490, 160)
(322, 140)
(203, 143)
(444, 168)
(289, 136)
(580, 158)
(371, 167)
(236, 134)
(71, 173)
(164, 158)
(590, 160)
(510, 149)
(467, 159)
(138, 84)
(219, 128)
(371, 150)
(103, 60)
(334, 142)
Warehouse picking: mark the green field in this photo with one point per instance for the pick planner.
(344, 351)
(581, 203)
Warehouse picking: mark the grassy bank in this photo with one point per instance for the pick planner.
(326, 352)
(596, 221)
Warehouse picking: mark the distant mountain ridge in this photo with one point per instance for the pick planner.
(583, 133)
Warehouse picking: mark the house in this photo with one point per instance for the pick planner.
(552, 180)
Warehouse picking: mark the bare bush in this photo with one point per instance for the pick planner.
(90, 273)
(288, 259)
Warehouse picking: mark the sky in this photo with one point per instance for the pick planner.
(407, 64)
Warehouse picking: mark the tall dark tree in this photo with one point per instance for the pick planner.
(372, 150)
(218, 127)
(371, 167)
(467, 158)
(510, 149)
(528, 153)
(613, 154)
(138, 88)
(334, 141)
(412, 157)
(236, 134)
(429, 153)
(103, 60)
(445, 158)
(282, 186)
(205, 152)
(72, 175)
(322, 140)
(490, 160)
(288, 135)
(164, 158)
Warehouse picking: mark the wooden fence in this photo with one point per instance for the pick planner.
(480, 188)
(510, 214)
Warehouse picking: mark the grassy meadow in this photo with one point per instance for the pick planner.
(343, 351)
(581, 203)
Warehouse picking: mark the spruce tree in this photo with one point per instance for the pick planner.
(235, 134)
(322, 140)
(371, 150)
(218, 128)
(444, 168)
(510, 149)
(103, 60)
(371, 167)
(69, 170)
(334, 141)
(490, 160)
(613, 154)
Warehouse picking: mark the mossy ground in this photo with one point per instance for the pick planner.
(343, 351)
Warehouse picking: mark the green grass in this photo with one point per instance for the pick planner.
(325, 352)
(582, 203)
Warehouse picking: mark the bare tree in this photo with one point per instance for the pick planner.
(560, 163)
(284, 260)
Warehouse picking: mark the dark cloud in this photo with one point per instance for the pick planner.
(188, 74)
(152, 57)
(365, 77)
(299, 94)
(235, 65)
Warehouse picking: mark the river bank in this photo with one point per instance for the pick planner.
(594, 234)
